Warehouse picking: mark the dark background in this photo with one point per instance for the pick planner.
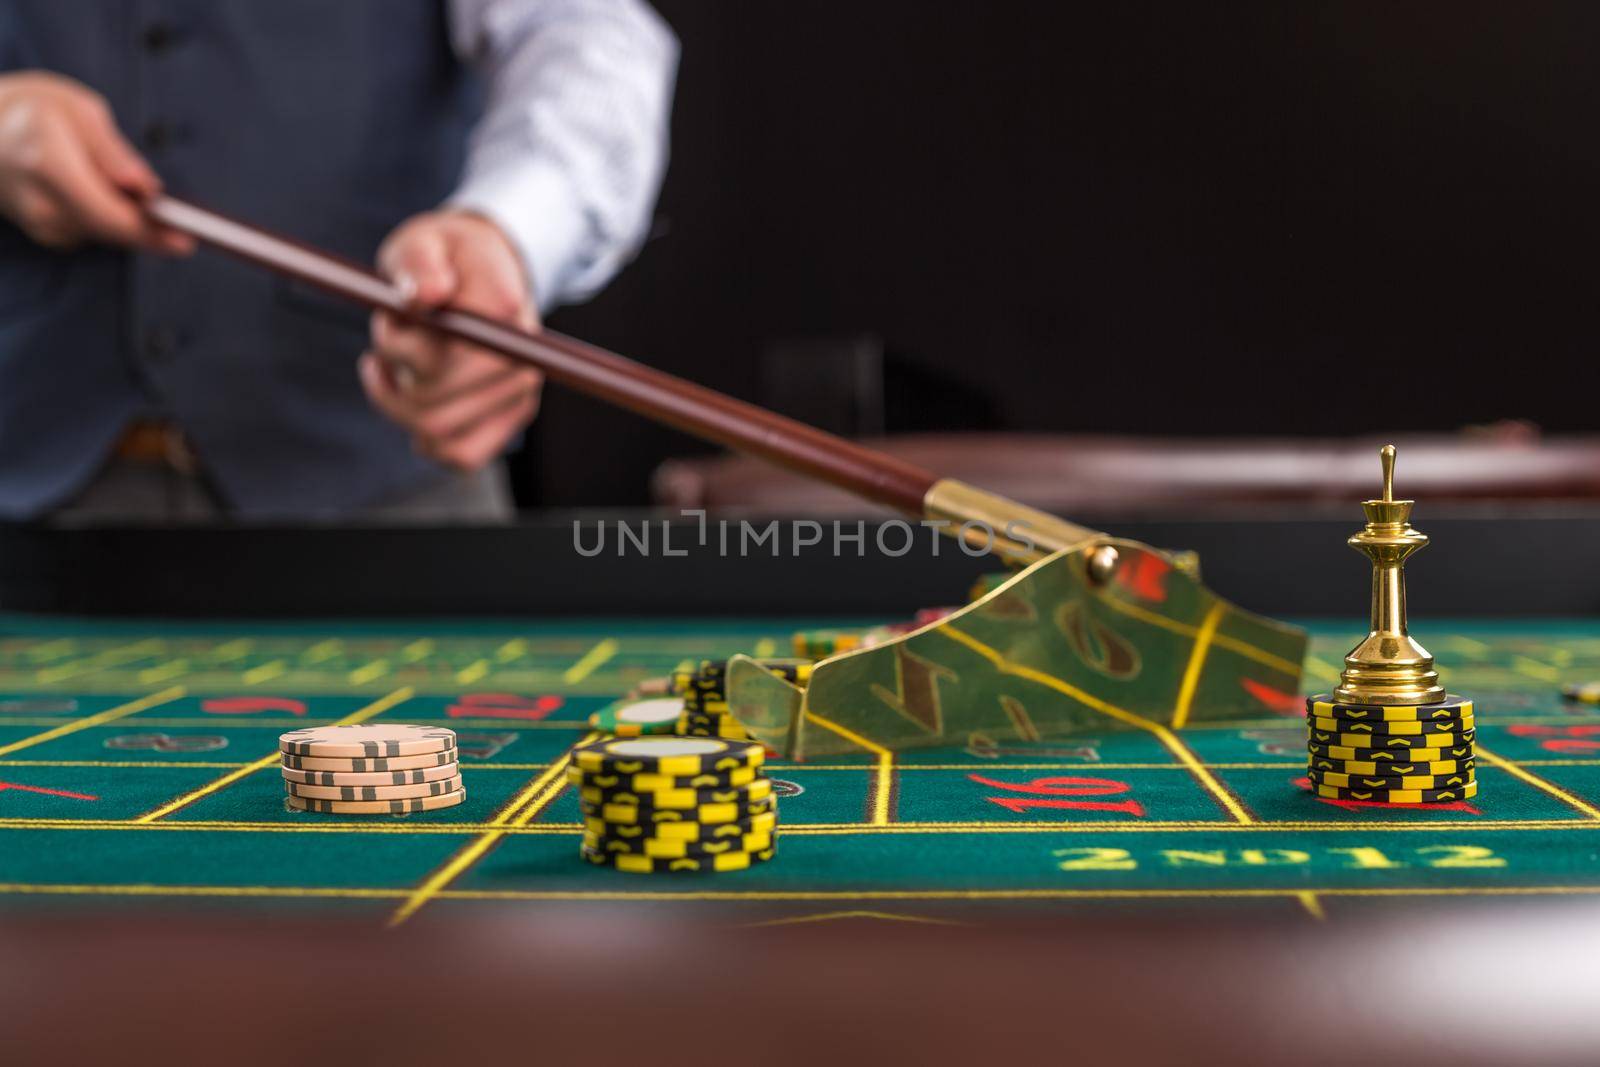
(1164, 218)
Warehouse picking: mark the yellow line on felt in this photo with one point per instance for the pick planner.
(511, 650)
(1322, 669)
(121, 711)
(1197, 662)
(369, 672)
(883, 768)
(542, 799)
(734, 895)
(322, 650)
(590, 662)
(111, 657)
(164, 672)
(1433, 826)
(232, 650)
(264, 673)
(377, 707)
(1537, 782)
(538, 793)
(1308, 900)
(138, 764)
(556, 772)
(472, 672)
(1534, 669)
(1020, 894)
(146, 890)
(808, 829)
(50, 650)
(1166, 736)
(228, 779)
(829, 916)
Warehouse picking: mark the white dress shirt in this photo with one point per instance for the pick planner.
(568, 156)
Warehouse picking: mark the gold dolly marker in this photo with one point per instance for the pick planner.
(1388, 689)
(1389, 666)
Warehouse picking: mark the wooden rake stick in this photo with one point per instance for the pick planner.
(1017, 531)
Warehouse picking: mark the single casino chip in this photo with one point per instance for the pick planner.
(373, 792)
(1451, 708)
(759, 789)
(367, 740)
(691, 719)
(380, 763)
(411, 777)
(377, 807)
(660, 783)
(1376, 781)
(634, 718)
(794, 671)
(667, 755)
(728, 729)
(650, 688)
(731, 732)
(820, 644)
(624, 814)
(1392, 729)
(727, 861)
(683, 831)
(1392, 742)
(667, 849)
(1406, 754)
(706, 681)
(1390, 769)
(710, 671)
(1584, 692)
(1399, 796)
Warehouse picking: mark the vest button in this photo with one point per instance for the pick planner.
(158, 37)
(161, 343)
(159, 135)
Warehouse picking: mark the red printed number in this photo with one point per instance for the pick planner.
(251, 705)
(503, 706)
(1047, 793)
(1565, 739)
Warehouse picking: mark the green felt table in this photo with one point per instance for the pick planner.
(138, 769)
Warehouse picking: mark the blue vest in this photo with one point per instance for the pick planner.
(326, 120)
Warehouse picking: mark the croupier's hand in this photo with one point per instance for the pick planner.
(67, 175)
(462, 404)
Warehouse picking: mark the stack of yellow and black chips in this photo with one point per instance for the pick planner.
(1400, 754)
(669, 804)
(705, 696)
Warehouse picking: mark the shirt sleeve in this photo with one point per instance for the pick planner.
(569, 153)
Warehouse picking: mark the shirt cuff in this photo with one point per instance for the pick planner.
(535, 207)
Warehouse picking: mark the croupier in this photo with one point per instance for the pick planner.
(501, 156)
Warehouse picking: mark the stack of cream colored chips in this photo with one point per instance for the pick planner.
(389, 769)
